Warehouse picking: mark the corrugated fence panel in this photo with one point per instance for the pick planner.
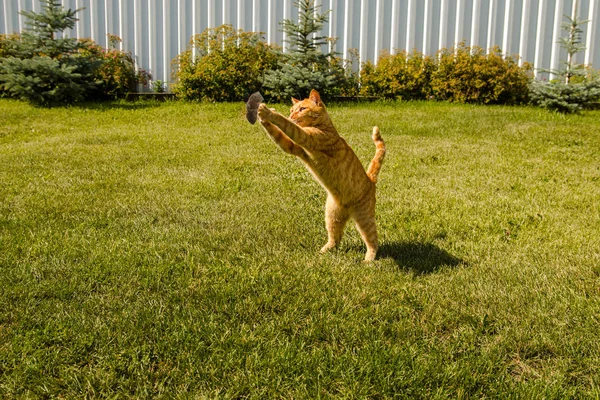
(155, 31)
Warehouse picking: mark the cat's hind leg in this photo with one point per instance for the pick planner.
(336, 217)
(365, 223)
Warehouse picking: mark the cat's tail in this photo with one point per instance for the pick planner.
(375, 165)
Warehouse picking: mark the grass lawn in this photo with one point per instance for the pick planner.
(171, 250)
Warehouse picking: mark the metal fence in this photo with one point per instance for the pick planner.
(155, 31)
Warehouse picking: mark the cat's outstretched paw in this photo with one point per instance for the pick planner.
(264, 112)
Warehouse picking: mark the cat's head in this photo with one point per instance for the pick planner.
(310, 111)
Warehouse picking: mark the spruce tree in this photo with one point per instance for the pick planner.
(573, 44)
(304, 66)
(44, 66)
(574, 87)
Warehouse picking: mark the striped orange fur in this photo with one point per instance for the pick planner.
(309, 134)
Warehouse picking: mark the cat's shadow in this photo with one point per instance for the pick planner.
(420, 258)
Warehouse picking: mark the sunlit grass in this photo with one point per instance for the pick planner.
(171, 250)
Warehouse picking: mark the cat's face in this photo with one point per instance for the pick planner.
(308, 112)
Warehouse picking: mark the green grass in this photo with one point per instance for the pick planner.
(171, 250)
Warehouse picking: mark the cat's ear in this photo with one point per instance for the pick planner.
(294, 101)
(315, 97)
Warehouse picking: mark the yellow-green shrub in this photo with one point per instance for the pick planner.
(469, 75)
(404, 76)
(462, 74)
(228, 66)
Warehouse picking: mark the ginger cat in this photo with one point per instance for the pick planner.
(310, 135)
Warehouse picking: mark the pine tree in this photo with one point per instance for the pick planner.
(305, 66)
(45, 67)
(573, 44)
(574, 88)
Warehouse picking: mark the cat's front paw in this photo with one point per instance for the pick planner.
(264, 112)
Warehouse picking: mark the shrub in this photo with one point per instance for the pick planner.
(43, 68)
(7, 49)
(158, 86)
(9, 45)
(462, 74)
(44, 80)
(579, 94)
(469, 75)
(400, 76)
(116, 74)
(576, 86)
(230, 64)
(349, 80)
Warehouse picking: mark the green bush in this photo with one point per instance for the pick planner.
(45, 81)
(576, 86)
(116, 74)
(113, 73)
(566, 97)
(229, 65)
(348, 81)
(400, 76)
(462, 74)
(469, 75)
(7, 49)
(8, 45)
(42, 67)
